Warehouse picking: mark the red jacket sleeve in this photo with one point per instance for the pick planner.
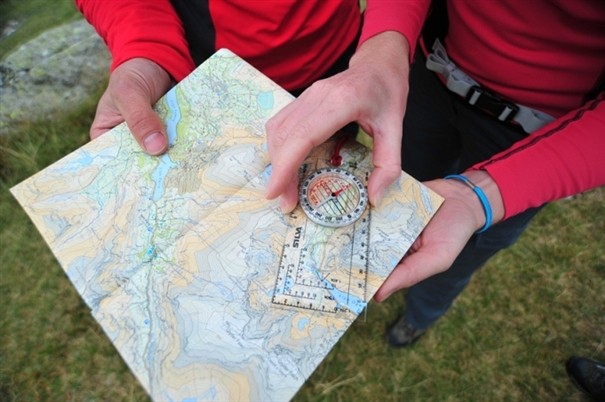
(403, 16)
(563, 158)
(141, 28)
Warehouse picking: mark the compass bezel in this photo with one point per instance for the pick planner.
(347, 218)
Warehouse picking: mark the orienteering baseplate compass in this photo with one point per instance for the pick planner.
(324, 262)
(333, 197)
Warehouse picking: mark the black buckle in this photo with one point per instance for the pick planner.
(492, 104)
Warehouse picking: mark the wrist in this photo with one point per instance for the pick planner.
(483, 180)
(481, 194)
(388, 50)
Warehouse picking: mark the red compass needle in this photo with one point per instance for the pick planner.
(340, 190)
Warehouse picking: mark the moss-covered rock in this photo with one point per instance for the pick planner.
(51, 74)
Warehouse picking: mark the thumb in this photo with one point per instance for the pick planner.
(146, 127)
(134, 87)
(386, 157)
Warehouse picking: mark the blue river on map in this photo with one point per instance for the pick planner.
(342, 298)
(158, 176)
(351, 302)
(165, 163)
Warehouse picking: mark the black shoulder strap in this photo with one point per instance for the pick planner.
(199, 28)
(436, 24)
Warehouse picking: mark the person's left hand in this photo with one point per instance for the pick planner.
(133, 88)
(458, 218)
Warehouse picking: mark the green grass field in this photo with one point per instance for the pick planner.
(505, 339)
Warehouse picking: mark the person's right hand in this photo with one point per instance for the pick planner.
(372, 92)
(134, 86)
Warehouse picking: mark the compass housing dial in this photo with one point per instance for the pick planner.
(333, 197)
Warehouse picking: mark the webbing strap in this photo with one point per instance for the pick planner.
(460, 83)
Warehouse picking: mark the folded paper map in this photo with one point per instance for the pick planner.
(206, 289)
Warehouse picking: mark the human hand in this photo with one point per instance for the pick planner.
(458, 218)
(134, 86)
(372, 92)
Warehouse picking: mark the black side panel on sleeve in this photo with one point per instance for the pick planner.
(199, 28)
(436, 24)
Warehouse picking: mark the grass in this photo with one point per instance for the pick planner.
(505, 339)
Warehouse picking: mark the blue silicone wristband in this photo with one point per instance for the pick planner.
(487, 209)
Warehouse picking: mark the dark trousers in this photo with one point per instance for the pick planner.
(444, 135)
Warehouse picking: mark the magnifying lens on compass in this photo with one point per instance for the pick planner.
(333, 197)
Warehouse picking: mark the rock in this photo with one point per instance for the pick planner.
(52, 74)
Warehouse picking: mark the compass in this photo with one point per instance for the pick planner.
(333, 197)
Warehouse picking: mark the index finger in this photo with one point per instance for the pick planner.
(296, 130)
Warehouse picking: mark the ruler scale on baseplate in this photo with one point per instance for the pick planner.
(324, 268)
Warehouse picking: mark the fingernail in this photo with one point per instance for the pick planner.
(285, 205)
(379, 197)
(154, 143)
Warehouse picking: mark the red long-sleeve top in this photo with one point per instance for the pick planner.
(544, 54)
(305, 37)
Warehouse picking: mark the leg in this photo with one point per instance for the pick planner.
(480, 136)
(431, 143)
(430, 299)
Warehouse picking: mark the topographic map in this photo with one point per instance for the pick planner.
(206, 289)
